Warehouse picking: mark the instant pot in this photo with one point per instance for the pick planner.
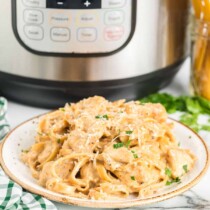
(57, 51)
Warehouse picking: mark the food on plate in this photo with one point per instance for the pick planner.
(97, 149)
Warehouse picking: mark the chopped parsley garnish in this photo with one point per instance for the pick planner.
(172, 180)
(118, 145)
(168, 172)
(62, 109)
(176, 180)
(128, 132)
(24, 151)
(105, 117)
(135, 156)
(179, 144)
(121, 144)
(185, 168)
(102, 117)
(58, 141)
(133, 178)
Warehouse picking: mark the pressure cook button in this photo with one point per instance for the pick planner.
(113, 3)
(114, 33)
(33, 16)
(114, 17)
(60, 34)
(59, 19)
(35, 3)
(87, 34)
(34, 32)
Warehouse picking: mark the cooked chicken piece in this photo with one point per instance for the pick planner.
(122, 155)
(109, 163)
(155, 111)
(44, 154)
(93, 105)
(63, 167)
(83, 122)
(113, 158)
(180, 161)
(167, 142)
(136, 174)
(45, 174)
(79, 141)
(103, 142)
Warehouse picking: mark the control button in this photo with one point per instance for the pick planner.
(114, 17)
(60, 34)
(34, 32)
(74, 4)
(87, 19)
(87, 34)
(114, 33)
(58, 4)
(33, 16)
(35, 3)
(87, 3)
(59, 19)
(113, 3)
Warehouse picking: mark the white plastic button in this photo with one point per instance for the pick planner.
(60, 34)
(87, 34)
(87, 19)
(35, 3)
(114, 33)
(34, 32)
(113, 3)
(33, 16)
(114, 18)
(58, 19)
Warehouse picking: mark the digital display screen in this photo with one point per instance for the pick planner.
(74, 4)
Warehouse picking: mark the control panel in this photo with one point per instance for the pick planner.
(73, 26)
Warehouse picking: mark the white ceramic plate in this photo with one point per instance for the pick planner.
(22, 137)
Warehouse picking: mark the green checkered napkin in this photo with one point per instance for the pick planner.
(4, 126)
(12, 196)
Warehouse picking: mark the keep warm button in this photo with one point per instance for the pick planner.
(114, 33)
(60, 34)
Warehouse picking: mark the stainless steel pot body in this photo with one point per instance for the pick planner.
(158, 40)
